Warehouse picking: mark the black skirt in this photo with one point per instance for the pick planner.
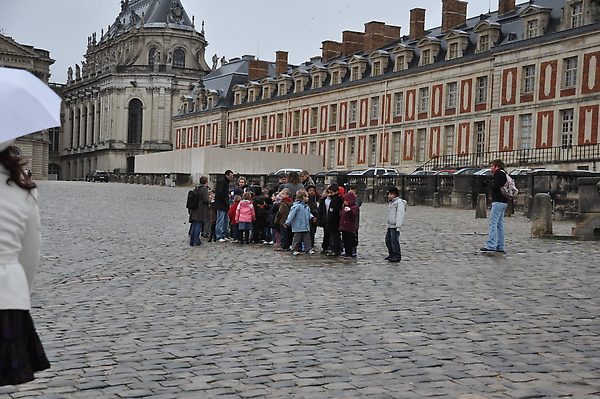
(21, 351)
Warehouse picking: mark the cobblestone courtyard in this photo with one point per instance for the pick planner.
(126, 308)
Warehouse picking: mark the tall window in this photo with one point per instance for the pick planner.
(484, 43)
(312, 147)
(195, 134)
(251, 95)
(423, 99)
(316, 81)
(332, 154)
(332, 114)
(374, 107)
(264, 128)
(449, 139)
(400, 63)
(398, 104)
(352, 111)
(426, 57)
(266, 92)
(296, 123)
(335, 77)
(134, 130)
(282, 89)
(351, 152)
(526, 122)
(480, 132)
(396, 142)
(452, 92)
(298, 86)
(280, 123)
(532, 29)
(54, 136)
(208, 134)
(453, 51)
(481, 90)
(421, 144)
(236, 130)
(570, 71)
(372, 150)
(355, 73)
(152, 56)
(314, 117)
(179, 58)
(528, 79)
(376, 68)
(249, 129)
(576, 15)
(567, 119)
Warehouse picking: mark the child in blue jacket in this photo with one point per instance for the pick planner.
(299, 218)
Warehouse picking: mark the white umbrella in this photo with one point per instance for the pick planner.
(27, 104)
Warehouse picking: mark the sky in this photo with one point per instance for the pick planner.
(233, 27)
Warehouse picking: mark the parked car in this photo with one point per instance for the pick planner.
(423, 173)
(519, 172)
(285, 171)
(394, 174)
(484, 172)
(445, 172)
(372, 172)
(99, 175)
(466, 171)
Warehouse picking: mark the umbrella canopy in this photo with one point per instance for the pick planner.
(27, 104)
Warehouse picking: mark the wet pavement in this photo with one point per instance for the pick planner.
(127, 309)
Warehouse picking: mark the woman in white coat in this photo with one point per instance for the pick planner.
(21, 352)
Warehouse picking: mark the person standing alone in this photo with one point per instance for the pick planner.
(495, 240)
(396, 213)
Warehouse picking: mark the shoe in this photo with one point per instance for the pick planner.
(387, 257)
(394, 259)
(296, 253)
(347, 257)
(312, 252)
(487, 249)
(500, 250)
(324, 252)
(336, 254)
(235, 241)
(222, 240)
(279, 249)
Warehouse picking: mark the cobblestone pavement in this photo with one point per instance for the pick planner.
(127, 309)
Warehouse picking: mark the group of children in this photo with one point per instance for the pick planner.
(274, 217)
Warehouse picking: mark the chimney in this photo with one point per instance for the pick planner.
(378, 34)
(352, 42)
(257, 69)
(454, 13)
(417, 23)
(331, 49)
(505, 7)
(281, 62)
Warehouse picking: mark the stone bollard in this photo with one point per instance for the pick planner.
(411, 198)
(481, 209)
(541, 215)
(469, 202)
(436, 200)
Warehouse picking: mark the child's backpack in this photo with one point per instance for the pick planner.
(509, 189)
(193, 200)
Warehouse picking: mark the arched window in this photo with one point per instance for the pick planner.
(152, 56)
(179, 58)
(134, 131)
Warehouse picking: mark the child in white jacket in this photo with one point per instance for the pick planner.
(396, 212)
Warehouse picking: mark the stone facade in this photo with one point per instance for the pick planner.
(33, 147)
(520, 84)
(121, 99)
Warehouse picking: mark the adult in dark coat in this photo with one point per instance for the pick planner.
(495, 240)
(328, 217)
(222, 206)
(199, 216)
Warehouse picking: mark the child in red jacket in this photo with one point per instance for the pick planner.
(245, 215)
(234, 224)
(348, 224)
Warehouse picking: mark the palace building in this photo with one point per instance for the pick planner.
(521, 83)
(120, 100)
(35, 147)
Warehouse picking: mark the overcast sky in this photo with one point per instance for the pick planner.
(233, 27)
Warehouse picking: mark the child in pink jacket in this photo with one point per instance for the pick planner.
(244, 215)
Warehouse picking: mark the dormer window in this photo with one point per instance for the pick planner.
(576, 15)
(251, 96)
(536, 19)
(266, 92)
(253, 91)
(379, 62)
(239, 94)
(238, 98)
(268, 87)
(338, 71)
(532, 29)
(488, 34)
(358, 66)
(430, 48)
(284, 82)
(300, 78)
(457, 43)
(319, 74)
(404, 55)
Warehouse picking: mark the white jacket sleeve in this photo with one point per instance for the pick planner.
(29, 256)
(400, 213)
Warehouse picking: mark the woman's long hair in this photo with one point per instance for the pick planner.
(15, 166)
